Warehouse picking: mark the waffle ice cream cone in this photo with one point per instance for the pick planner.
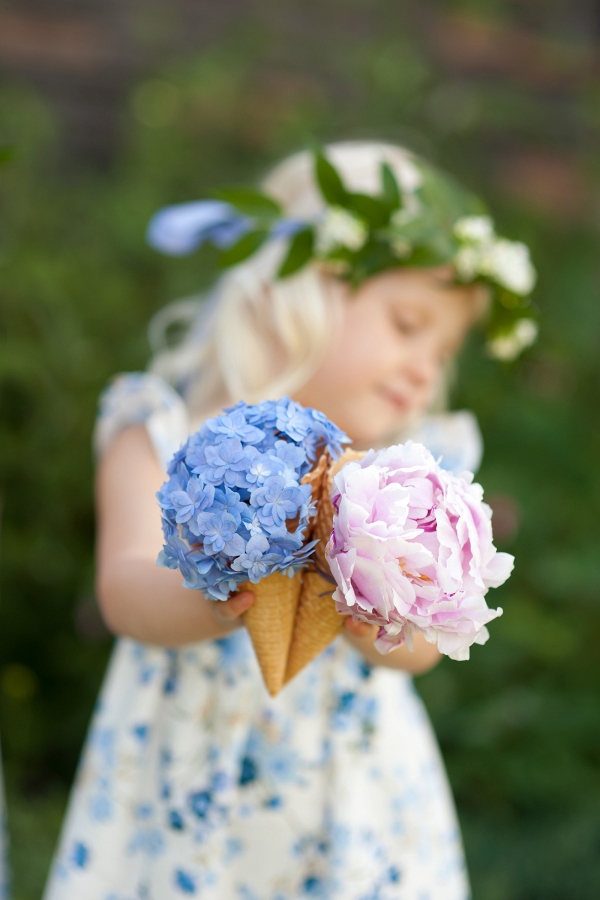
(270, 622)
(317, 621)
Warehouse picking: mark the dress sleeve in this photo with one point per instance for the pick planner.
(142, 398)
(455, 437)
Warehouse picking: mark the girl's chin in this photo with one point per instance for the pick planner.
(368, 419)
(376, 431)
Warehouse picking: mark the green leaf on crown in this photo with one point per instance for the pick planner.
(437, 252)
(422, 229)
(330, 183)
(244, 248)
(374, 257)
(446, 198)
(501, 320)
(374, 211)
(299, 253)
(250, 202)
(390, 192)
(510, 300)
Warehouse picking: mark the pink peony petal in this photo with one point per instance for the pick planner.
(412, 550)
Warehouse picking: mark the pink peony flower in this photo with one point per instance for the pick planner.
(411, 550)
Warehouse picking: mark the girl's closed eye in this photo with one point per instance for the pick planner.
(406, 325)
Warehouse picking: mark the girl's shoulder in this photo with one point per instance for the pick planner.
(142, 398)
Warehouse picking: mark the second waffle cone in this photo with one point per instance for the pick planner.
(317, 622)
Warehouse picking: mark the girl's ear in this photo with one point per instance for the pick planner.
(477, 298)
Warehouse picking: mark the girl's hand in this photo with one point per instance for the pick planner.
(362, 636)
(227, 613)
(360, 629)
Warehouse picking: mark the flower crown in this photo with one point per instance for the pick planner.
(427, 220)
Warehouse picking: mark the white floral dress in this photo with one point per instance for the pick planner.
(195, 783)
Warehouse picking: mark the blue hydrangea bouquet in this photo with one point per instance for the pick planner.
(239, 508)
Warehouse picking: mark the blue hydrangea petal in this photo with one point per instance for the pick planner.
(293, 419)
(235, 545)
(290, 454)
(235, 425)
(233, 487)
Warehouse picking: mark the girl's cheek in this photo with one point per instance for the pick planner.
(362, 359)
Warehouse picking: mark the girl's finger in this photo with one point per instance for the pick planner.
(236, 605)
(361, 629)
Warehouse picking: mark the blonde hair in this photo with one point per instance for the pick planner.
(258, 337)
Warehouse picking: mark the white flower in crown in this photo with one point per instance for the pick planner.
(482, 253)
(340, 228)
(475, 229)
(507, 347)
(509, 264)
(467, 262)
(410, 211)
(408, 174)
(406, 214)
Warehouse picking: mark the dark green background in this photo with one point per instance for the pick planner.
(506, 96)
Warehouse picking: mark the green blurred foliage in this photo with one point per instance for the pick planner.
(518, 724)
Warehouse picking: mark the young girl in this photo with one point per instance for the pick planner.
(193, 781)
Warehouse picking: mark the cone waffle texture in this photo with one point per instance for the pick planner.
(317, 621)
(270, 622)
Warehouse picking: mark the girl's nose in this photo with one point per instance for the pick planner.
(422, 368)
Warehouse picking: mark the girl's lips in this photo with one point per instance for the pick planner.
(397, 400)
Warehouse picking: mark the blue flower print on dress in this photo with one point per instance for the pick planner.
(200, 803)
(355, 713)
(171, 680)
(176, 820)
(149, 841)
(248, 771)
(102, 807)
(234, 652)
(234, 507)
(185, 881)
(272, 761)
(313, 886)
(80, 855)
(142, 732)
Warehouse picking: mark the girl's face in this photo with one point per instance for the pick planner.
(388, 353)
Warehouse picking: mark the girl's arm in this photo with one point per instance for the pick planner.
(418, 661)
(142, 601)
(137, 598)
